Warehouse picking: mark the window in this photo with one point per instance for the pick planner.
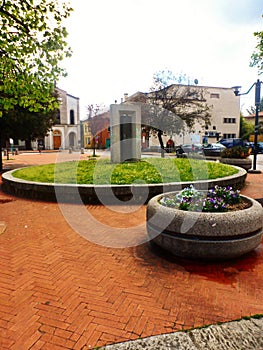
(58, 117)
(212, 134)
(230, 120)
(71, 116)
(214, 127)
(214, 95)
(229, 136)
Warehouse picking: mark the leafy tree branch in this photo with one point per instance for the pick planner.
(33, 44)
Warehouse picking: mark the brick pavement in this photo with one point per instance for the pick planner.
(59, 290)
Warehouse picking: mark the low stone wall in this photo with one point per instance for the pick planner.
(105, 194)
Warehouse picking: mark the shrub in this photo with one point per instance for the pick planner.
(236, 152)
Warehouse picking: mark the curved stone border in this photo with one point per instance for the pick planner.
(245, 163)
(89, 193)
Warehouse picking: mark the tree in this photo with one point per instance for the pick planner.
(32, 44)
(257, 55)
(252, 109)
(246, 129)
(96, 123)
(172, 108)
(26, 126)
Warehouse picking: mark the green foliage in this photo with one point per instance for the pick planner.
(257, 56)
(238, 152)
(246, 129)
(102, 171)
(32, 45)
(25, 125)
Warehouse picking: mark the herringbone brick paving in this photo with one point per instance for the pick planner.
(61, 291)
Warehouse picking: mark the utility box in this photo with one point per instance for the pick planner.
(125, 126)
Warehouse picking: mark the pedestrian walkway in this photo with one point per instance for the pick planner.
(59, 290)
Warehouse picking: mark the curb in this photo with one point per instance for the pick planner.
(242, 334)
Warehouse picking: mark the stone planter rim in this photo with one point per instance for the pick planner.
(201, 235)
(216, 223)
(47, 191)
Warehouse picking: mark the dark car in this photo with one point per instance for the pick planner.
(213, 149)
(192, 148)
(259, 146)
(232, 142)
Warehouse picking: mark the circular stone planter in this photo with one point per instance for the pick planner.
(202, 235)
(108, 194)
(245, 163)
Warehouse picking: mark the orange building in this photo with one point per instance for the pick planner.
(97, 129)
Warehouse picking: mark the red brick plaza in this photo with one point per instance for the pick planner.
(59, 290)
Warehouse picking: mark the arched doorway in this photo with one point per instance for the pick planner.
(72, 138)
(56, 139)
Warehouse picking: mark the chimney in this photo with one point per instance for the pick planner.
(125, 97)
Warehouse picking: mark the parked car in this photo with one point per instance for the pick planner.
(232, 142)
(213, 149)
(192, 148)
(259, 146)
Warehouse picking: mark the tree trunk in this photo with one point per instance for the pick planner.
(94, 147)
(28, 144)
(159, 135)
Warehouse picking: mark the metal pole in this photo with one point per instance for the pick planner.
(257, 103)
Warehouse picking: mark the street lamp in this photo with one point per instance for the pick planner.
(257, 85)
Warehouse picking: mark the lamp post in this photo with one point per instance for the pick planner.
(257, 85)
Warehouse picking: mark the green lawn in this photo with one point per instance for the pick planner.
(102, 171)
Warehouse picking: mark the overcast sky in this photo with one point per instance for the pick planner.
(119, 44)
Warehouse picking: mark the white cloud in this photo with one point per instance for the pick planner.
(119, 44)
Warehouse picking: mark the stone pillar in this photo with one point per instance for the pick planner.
(125, 123)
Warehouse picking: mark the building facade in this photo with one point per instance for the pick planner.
(225, 114)
(96, 130)
(65, 133)
(224, 121)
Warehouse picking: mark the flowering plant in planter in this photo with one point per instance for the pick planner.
(218, 199)
(237, 152)
(215, 224)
